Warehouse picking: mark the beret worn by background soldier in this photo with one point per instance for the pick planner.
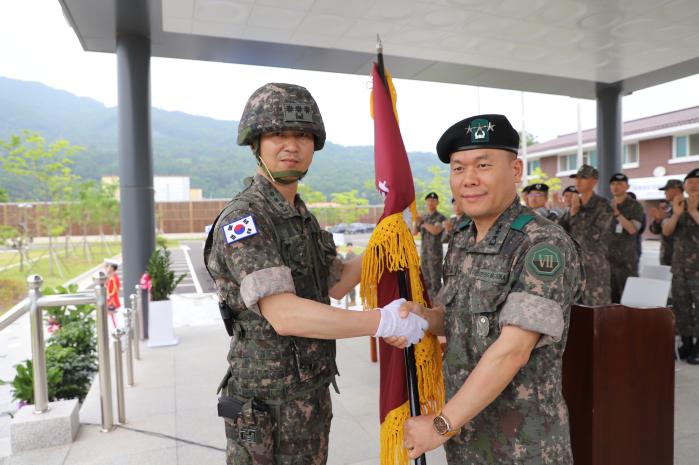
(490, 131)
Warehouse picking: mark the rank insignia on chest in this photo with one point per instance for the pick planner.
(239, 229)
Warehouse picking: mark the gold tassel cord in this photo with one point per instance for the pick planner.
(391, 248)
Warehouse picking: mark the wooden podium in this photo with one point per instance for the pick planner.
(619, 383)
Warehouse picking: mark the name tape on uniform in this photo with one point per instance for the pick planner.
(239, 229)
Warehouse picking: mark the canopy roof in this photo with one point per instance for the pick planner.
(554, 46)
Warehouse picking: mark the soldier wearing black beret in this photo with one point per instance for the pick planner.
(430, 227)
(537, 197)
(628, 218)
(510, 279)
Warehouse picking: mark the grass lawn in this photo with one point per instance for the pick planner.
(13, 285)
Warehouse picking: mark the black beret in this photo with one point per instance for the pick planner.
(619, 177)
(692, 174)
(539, 186)
(432, 195)
(572, 189)
(482, 131)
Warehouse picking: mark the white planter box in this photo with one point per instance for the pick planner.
(160, 331)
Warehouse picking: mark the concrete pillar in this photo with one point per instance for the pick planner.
(135, 158)
(609, 134)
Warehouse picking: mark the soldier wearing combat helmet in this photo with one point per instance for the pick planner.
(588, 221)
(274, 270)
(510, 279)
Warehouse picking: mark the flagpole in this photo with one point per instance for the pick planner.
(408, 352)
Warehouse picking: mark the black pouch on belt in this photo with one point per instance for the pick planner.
(251, 426)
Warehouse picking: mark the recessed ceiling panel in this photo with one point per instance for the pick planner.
(503, 42)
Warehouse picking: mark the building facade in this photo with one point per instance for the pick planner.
(656, 148)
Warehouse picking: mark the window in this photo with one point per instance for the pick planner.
(590, 158)
(532, 165)
(630, 154)
(686, 146)
(567, 162)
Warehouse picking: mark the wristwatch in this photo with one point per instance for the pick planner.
(442, 425)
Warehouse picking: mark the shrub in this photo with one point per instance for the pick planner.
(71, 353)
(65, 314)
(163, 280)
(23, 382)
(76, 372)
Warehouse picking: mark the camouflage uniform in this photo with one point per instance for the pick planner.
(656, 227)
(289, 253)
(623, 257)
(590, 228)
(431, 253)
(455, 221)
(526, 272)
(685, 276)
(551, 214)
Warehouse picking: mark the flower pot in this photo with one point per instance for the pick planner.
(160, 331)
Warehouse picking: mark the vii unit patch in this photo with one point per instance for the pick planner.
(545, 261)
(239, 229)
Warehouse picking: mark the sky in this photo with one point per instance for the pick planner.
(37, 44)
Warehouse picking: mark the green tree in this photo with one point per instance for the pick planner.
(4, 196)
(47, 167)
(439, 184)
(309, 195)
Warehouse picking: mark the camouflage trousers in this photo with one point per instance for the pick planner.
(619, 274)
(597, 289)
(303, 429)
(685, 302)
(432, 273)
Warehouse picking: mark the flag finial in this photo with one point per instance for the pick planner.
(379, 44)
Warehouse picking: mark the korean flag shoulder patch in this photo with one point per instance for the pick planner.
(239, 229)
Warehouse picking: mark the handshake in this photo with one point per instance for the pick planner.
(392, 324)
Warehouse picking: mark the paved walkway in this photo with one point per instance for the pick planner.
(171, 409)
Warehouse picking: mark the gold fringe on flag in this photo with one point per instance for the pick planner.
(392, 248)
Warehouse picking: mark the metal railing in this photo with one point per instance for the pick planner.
(36, 304)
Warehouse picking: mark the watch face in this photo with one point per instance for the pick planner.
(441, 425)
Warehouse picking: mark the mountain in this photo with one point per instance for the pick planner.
(186, 145)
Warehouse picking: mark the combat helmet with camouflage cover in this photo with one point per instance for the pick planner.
(280, 107)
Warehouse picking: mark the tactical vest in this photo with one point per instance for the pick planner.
(263, 364)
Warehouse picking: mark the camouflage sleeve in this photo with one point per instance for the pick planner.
(546, 280)
(253, 261)
(335, 275)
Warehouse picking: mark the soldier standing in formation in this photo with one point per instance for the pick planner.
(628, 215)
(683, 227)
(672, 188)
(430, 228)
(453, 222)
(588, 222)
(568, 194)
(510, 279)
(274, 270)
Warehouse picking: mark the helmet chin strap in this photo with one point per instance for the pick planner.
(281, 177)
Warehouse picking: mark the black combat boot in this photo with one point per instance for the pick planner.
(693, 358)
(686, 347)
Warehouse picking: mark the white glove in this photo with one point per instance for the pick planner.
(413, 327)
